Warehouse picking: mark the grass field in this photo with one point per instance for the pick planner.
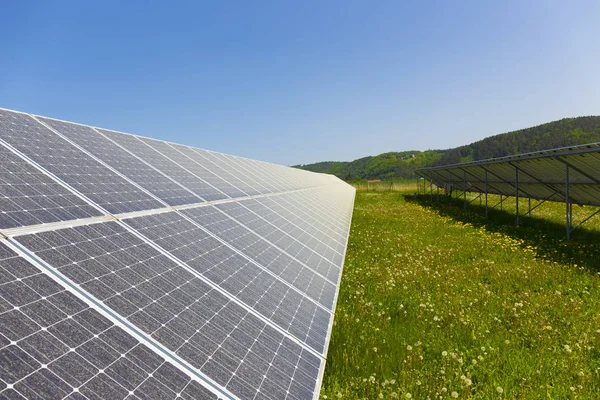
(436, 302)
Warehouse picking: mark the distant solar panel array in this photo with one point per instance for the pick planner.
(569, 174)
(141, 269)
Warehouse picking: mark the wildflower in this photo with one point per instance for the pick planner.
(499, 389)
(339, 395)
(418, 383)
(375, 349)
(507, 341)
(444, 353)
(409, 347)
(455, 395)
(381, 395)
(408, 395)
(572, 389)
(468, 382)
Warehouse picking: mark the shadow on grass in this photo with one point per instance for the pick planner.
(548, 237)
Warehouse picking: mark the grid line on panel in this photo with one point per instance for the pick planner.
(167, 165)
(265, 255)
(214, 328)
(113, 315)
(269, 184)
(244, 176)
(287, 222)
(297, 221)
(301, 242)
(104, 164)
(57, 345)
(239, 278)
(188, 153)
(161, 247)
(242, 182)
(30, 196)
(230, 211)
(299, 211)
(72, 167)
(317, 207)
(121, 161)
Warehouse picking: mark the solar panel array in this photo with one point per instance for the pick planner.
(542, 175)
(142, 269)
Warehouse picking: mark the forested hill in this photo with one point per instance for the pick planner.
(400, 165)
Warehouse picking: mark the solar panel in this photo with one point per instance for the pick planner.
(124, 162)
(80, 171)
(541, 175)
(167, 166)
(265, 254)
(202, 168)
(29, 197)
(228, 172)
(54, 345)
(136, 268)
(239, 277)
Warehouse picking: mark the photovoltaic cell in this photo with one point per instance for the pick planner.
(259, 250)
(298, 228)
(167, 166)
(73, 166)
(256, 288)
(248, 170)
(29, 197)
(236, 177)
(280, 238)
(178, 310)
(124, 162)
(198, 167)
(54, 346)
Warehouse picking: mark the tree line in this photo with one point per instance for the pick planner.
(401, 165)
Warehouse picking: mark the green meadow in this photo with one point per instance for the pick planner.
(439, 303)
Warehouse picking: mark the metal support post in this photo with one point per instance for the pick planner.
(567, 217)
(465, 190)
(486, 195)
(517, 195)
(430, 190)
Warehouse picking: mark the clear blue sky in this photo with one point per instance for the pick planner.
(303, 81)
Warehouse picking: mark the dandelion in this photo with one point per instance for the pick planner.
(394, 395)
(444, 353)
(507, 341)
(375, 349)
(408, 395)
(381, 395)
(499, 389)
(418, 383)
(409, 347)
(455, 395)
(468, 382)
(572, 389)
(339, 395)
